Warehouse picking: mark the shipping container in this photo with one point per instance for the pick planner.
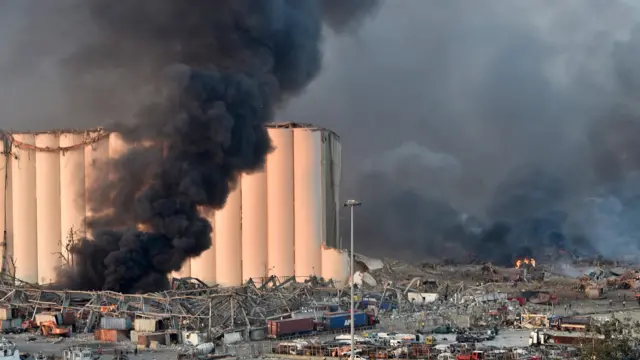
(576, 320)
(146, 325)
(110, 335)
(58, 317)
(5, 313)
(289, 327)
(45, 316)
(343, 321)
(68, 318)
(134, 336)
(115, 323)
(146, 338)
(11, 324)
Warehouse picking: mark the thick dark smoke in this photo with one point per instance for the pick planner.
(216, 70)
(535, 103)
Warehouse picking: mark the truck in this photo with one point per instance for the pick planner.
(339, 321)
(289, 327)
(571, 323)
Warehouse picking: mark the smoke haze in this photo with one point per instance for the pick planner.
(535, 103)
(467, 130)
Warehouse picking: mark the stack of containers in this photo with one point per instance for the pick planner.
(8, 321)
(143, 330)
(113, 329)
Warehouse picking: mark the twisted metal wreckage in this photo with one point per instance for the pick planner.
(190, 304)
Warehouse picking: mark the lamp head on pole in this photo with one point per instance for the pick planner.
(352, 203)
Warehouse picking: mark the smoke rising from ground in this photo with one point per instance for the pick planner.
(535, 101)
(191, 85)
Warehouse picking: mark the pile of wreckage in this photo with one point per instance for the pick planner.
(596, 281)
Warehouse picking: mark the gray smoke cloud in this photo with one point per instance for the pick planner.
(536, 102)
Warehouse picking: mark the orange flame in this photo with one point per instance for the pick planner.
(525, 261)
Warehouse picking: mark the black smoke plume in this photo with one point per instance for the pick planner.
(216, 70)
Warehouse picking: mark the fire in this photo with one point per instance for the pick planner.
(525, 261)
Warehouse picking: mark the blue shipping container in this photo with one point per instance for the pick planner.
(343, 321)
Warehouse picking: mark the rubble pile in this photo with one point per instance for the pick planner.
(402, 310)
(190, 304)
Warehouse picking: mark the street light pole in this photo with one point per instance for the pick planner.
(352, 204)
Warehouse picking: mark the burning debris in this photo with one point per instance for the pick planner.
(525, 262)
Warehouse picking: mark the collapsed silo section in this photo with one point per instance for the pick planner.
(335, 265)
(335, 262)
(25, 236)
(308, 201)
(72, 192)
(48, 206)
(6, 207)
(228, 244)
(280, 231)
(254, 226)
(203, 267)
(96, 157)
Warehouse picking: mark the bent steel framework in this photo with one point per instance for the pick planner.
(190, 304)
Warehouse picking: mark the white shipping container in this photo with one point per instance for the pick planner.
(145, 325)
(42, 317)
(115, 323)
(5, 313)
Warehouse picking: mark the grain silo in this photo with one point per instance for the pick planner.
(254, 225)
(281, 220)
(23, 180)
(5, 200)
(279, 168)
(72, 187)
(227, 227)
(48, 219)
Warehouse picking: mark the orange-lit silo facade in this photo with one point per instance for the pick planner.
(280, 220)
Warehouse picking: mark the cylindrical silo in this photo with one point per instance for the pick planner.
(8, 214)
(203, 267)
(254, 226)
(25, 236)
(228, 230)
(279, 170)
(307, 174)
(96, 155)
(335, 265)
(48, 206)
(72, 185)
(4, 199)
